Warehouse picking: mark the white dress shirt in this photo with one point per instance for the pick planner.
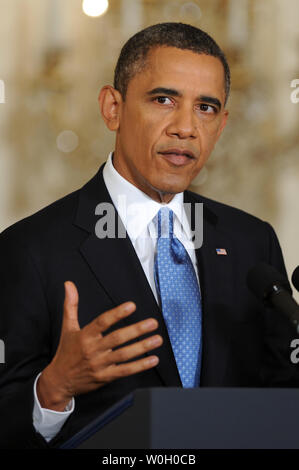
(137, 211)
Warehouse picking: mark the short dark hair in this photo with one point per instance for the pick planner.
(132, 58)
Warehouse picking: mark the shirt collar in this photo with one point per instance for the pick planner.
(135, 208)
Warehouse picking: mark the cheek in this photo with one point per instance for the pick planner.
(141, 129)
(209, 132)
(210, 128)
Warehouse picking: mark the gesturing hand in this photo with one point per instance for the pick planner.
(86, 360)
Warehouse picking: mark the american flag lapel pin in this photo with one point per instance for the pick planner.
(221, 251)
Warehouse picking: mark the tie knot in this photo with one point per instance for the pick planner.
(165, 223)
(165, 230)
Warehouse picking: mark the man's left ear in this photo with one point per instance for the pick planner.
(110, 101)
(223, 123)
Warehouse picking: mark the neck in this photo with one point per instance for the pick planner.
(155, 194)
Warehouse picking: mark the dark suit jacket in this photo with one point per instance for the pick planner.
(244, 345)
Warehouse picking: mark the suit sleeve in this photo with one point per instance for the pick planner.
(25, 330)
(277, 368)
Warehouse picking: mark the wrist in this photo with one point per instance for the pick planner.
(49, 393)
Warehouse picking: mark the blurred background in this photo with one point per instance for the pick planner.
(57, 54)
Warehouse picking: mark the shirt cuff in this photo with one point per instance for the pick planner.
(49, 422)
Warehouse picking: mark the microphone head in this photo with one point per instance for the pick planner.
(295, 278)
(262, 277)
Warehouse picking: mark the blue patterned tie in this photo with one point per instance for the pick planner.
(179, 293)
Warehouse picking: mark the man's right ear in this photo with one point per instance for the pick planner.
(110, 101)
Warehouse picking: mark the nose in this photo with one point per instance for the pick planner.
(183, 124)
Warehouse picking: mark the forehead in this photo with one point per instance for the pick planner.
(180, 68)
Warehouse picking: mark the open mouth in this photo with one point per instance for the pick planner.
(178, 157)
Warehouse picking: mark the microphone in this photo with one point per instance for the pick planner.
(295, 278)
(274, 290)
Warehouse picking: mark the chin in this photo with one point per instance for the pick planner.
(171, 188)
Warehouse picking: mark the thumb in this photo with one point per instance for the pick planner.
(70, 307)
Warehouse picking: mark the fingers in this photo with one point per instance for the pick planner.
(128, 333)
(110, 365)
(70, 307)
(134, 350)
(114, 372)
(109, 318)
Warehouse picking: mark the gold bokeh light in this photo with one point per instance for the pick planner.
(95, 8)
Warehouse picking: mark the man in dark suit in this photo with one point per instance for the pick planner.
(66, 360)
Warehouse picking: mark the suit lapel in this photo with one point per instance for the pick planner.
(215, 273)
(117, 268)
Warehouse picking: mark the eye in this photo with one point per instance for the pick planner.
(207, 108)
(162, 99)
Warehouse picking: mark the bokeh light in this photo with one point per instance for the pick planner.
(67, 141)
(95, 8)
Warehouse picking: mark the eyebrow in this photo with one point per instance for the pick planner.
(173, 92)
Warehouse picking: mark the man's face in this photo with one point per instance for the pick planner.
(171, 118)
